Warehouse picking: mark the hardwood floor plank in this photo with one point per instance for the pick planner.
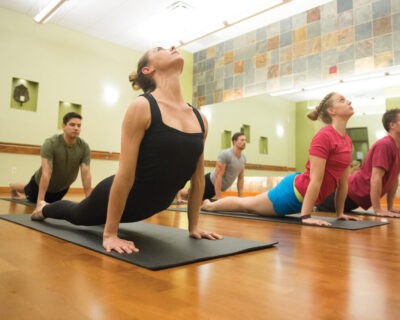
(313, 273)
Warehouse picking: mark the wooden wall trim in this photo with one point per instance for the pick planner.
(18, 148)
(76, 190)
(253, 166)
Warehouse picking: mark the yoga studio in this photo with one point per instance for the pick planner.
(198, 159)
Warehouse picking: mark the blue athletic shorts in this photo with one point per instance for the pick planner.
(283, 197)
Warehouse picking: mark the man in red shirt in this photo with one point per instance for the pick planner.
(378, 175)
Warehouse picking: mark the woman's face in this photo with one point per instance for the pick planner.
(161, 58)
(341, 106)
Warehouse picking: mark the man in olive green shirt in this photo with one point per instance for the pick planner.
(61, 157)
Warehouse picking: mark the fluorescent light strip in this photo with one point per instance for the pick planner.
(48, 11)
(283, 92)
(394, 72)
(226, 24)
(364, 76)
(321, 85)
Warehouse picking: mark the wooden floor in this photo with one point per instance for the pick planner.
(313, 273)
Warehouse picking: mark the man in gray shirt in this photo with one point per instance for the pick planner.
(229, 166)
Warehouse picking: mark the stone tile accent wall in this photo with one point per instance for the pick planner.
(342, 37)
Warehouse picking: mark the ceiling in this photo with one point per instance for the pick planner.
(192, 25)
(141, 25)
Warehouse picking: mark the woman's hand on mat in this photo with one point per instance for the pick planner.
(206, 235)
(317, 222)
(388, 213)
(347, 217)
(120, 245)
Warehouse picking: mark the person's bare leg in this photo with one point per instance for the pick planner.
(17, 190)
(259, 204)
(37, 214)
(181, 196)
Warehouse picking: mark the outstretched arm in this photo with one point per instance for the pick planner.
(195, 198)
(317, 171)
(391, 195)
(86, 179)
(376, 191)
(240, 183)
(136, 120)
(47, 170)
(340, 197)
(219, 173)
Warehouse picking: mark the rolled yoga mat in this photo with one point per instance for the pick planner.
(160, 247)
(23, 201)
(294, 219)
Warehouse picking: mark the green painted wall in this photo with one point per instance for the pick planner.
(187, 76)
(267, 116)
(305, 130)
(392, 103)
(71, 67)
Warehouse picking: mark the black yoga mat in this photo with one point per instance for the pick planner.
(20, 201)
(176, 203)
(294, 219)
(364, 213)
(368, 213)
(160, 247)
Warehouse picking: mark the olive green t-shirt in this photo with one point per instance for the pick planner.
(66, 161)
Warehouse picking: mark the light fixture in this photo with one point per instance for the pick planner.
(321, 85)
(364, 76)
(394, 72)
(272, 4)
(110, 95)
(48, 11)
(283, 92)
(280, 131)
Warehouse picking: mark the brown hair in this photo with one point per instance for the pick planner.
(389, 117)
(138, 79)
(71, 115)
(236, 136)
(321, 111)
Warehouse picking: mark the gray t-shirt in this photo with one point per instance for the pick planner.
(233, 167)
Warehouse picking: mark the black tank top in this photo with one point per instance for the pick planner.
(167, 159)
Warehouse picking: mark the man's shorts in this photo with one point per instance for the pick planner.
(32, 189)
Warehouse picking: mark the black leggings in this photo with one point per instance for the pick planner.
(209, 189)
(329, 204)
(93, 210)
(90, 211)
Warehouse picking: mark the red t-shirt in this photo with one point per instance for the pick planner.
(336, 149)
(383, 154)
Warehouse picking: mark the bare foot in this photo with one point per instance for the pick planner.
(206, 205)
(15, 194)
(37, 214)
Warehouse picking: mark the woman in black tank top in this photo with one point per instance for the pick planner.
(161, 149)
